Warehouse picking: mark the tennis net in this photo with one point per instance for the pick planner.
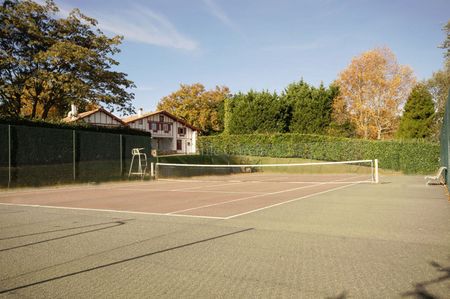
(334, 172)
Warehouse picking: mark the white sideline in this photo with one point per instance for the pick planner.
(113, 211)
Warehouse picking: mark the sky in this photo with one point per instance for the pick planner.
(261, 44)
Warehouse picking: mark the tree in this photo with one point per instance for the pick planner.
(47, 63)
(256, 112)
(311, 107)
(198, 106)
(446, 44)
(372, 90)
(439, 86)
(418, 116)
(439, 83)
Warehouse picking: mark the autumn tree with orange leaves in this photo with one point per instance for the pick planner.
(373, 89)
(198, 106)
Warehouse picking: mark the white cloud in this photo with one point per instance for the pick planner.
(215, 10)
(146, 26)
(138, 24)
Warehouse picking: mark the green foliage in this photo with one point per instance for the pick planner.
(439, 84)
(406, 156)
(260, 112)
(47, 62)
(311, 107)
(201, 108)
(446, 43)
(418, 116)
(301, 108)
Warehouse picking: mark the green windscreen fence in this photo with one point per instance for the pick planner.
(445, 141)
(36, 156)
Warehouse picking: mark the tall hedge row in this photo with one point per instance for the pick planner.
(407, 156)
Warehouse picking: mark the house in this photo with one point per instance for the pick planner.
(170, 134)
(96, 117)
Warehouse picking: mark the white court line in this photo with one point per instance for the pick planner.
(200, 187)
(266, 194)
(291, 200)
(72, 188)
(194, 191)
(113, 211)
(244, 198)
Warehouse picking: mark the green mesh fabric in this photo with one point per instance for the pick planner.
(445, 140)
(4, 155)
(47, 156)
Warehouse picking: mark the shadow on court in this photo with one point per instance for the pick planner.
(420, 288)
(121, 261)
(362, 241)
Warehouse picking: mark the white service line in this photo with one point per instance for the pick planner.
(266, 194)
(244, 198)
(291, 200)
(194, 191)
(113, 211)
(203, 187)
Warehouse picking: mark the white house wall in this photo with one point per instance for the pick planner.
(101, 119)
(188, 139)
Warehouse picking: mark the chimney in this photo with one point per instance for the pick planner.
(140, 111)
(73, 110)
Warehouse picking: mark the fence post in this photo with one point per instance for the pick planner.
(74, 149)
(120, 151)
(9, 155)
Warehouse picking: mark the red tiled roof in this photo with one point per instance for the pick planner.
(87, 113)
(136, 117)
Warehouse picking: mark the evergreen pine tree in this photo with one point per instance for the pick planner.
(418, 116)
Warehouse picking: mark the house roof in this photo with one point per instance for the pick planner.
(136, 117)
(87, 113)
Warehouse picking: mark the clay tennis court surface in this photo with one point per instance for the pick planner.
(208, 197)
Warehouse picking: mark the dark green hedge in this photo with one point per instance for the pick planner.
(406, 156)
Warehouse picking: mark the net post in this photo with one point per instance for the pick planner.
(155, 170)
(376, 172)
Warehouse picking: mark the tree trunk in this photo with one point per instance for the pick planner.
(33, 112)
(17, 105)
(47, 108)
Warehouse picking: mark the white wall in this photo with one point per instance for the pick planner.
(100, 118)
(188, 140)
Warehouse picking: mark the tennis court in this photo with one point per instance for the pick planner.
(243, 235)
(210, 196)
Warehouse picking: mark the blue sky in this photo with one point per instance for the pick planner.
(261, 44)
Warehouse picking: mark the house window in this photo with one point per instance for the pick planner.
(161, 118)
(179, 145)
(154, 127)
(181, 131)
(166, 128)
(140, 122)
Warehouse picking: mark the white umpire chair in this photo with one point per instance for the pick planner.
(141, 159)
